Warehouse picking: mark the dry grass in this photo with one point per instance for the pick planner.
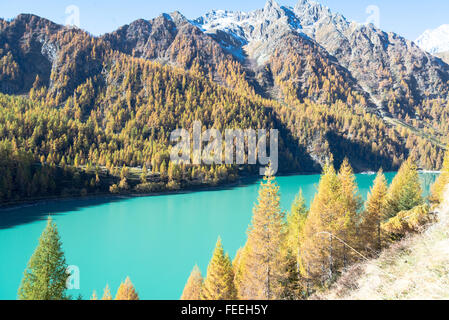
(416, 268)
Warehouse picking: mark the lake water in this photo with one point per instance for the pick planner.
(154, 240)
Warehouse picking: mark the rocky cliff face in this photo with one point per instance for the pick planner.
(248, 43)
(443, 56)
(25, 53)
(37, 52)
(169, 38)
(381, 62)
(394, 74)
(385, 65)
(305, 53)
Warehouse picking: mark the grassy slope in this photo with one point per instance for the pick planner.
(416, 268)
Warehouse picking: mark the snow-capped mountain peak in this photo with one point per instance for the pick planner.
(272, 6)
(310, 11)
(250, 26)
(233, 30)
(301, 18)
(435, 41)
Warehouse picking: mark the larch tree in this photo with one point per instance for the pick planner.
(294, 286)
(442, 182)
(331, 226)
(405, 191)
(107, 293)
(46, 275)
(219, 282)
(296, 220)
(240, 268)
(350, 205)
(265, 260)
(374, 215)
(316, 247)
(126, 291)
(192, 290)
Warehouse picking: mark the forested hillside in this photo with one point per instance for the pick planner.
(302, 253)
(339, 247)
(104, 107)
(412, 269)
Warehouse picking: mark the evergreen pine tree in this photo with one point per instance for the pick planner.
(293, 284)
(219, 282)
(192, 290)
(126, 291)
(45, 277)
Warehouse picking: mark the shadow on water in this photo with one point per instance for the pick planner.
(28, 213)
(21, 214)
(17, 215)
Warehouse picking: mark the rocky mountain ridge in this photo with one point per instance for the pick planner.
(304, 54)
(436, 40)
(379, 61)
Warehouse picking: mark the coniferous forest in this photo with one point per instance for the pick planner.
(103, 115)
(85, 116)
(288, 255)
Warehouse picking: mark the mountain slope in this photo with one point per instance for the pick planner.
(435, 41)
(443, 56)
(385, 65)
(408, 86)
(172, 39)
(37, 52)
(414, 269)
(22, 54)
(257, 38)
(268, 68)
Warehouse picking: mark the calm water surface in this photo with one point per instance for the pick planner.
(154, 240)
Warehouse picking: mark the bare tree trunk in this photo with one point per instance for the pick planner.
(268, 288)
(379, 239)
(331, 258)
(308, 281)
(298, 267)
(323, 270)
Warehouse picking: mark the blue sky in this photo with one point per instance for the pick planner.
(408, 18)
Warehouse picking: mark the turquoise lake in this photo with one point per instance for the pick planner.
(154, 240)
